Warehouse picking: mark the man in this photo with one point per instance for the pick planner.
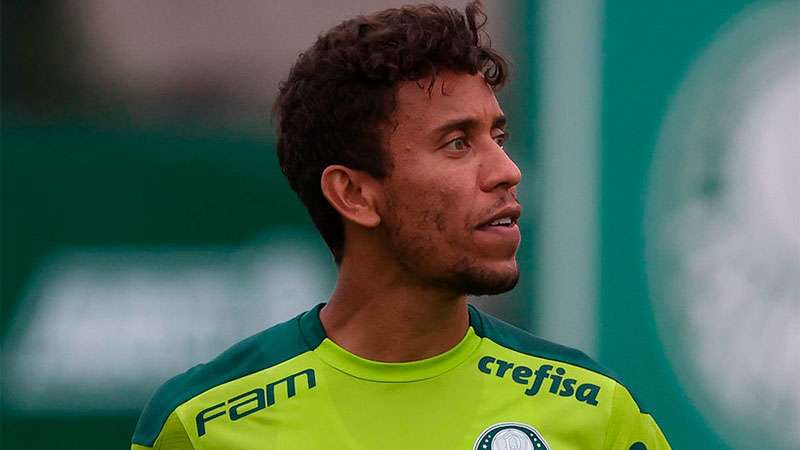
(391, 135)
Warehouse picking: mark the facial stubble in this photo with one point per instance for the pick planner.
(417, 238)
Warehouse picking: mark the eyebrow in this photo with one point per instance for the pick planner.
(467, 123)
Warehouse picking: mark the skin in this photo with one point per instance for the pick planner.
(414, 245)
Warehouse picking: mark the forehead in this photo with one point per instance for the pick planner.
(452, 96)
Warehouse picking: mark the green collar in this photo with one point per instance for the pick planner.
(339, 358)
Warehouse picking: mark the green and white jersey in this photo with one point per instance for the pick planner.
(290, 387)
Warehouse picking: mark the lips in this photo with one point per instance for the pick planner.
(505, 217)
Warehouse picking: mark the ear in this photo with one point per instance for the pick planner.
(353, 193)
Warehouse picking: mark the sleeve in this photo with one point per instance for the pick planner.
(173, 436)
(630, 428)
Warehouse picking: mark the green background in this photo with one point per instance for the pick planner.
(647, 50)
(85, 181)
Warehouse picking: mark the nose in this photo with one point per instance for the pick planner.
(499, 171)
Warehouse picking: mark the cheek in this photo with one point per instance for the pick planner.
(420, 210)
(430, 202)
(433, 215)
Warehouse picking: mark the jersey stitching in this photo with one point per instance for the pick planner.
(183, 425)
(611, 414)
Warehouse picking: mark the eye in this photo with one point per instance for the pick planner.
(457, 145)
(501, 139)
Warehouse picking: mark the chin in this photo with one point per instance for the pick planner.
(487, 279)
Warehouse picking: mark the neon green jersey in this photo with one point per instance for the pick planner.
(290, 387)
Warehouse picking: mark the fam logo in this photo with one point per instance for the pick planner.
(258, 399)
(510, 436)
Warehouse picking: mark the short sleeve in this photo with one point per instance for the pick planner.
(173, 436)
(630, 428)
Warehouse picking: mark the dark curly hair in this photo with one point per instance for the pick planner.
(335, 105)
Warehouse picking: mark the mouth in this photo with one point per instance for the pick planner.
(506, 218)
(500, 230)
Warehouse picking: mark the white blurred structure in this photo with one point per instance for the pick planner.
(102, 328)
(725, 227)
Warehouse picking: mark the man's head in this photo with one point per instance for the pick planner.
(390, 134)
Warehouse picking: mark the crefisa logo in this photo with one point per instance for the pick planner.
(510, 436)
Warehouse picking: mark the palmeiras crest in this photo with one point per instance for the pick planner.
(510, 436)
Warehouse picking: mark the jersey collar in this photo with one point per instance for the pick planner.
(339, 358)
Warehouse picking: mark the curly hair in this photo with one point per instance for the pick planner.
(338, 99)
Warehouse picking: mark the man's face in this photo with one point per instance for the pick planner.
(450, 211)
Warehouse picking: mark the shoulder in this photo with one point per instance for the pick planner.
(521, 341)
(626, 422)
(268, 348)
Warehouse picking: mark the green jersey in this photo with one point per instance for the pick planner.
(290, 387)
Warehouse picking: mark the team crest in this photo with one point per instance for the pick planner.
(510, 436)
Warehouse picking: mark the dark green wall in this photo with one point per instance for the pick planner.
(78, 184)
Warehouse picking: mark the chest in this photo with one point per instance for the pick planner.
(326, 408)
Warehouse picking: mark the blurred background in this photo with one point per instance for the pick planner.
(146, 225)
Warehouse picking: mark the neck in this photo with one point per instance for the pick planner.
(381, 315)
